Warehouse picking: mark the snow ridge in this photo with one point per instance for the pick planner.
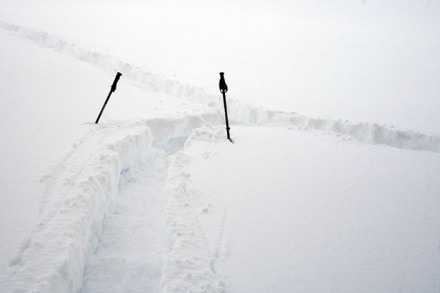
(138, 74)
(369, 133)
(188, 265)
(77, 202)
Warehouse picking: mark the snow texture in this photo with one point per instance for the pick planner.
(370, 133)
(80, 197)
(188, 266)
(92, 193)
(293, 211)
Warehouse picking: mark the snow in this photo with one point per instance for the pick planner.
(45, 114)
(132, 243)
(80, 195)
(154, 198)
(369, 61)
(297, 211)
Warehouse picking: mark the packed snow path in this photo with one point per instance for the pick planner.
(132, 244)
(91, 195)
(131, 247)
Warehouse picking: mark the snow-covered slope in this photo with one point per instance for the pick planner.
(298, 211)
(99, 208)
(242, 113)
(48, 104)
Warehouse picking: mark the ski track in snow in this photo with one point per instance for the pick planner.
(130, 248)
(189, 266)
(88, 197)
(107, 197)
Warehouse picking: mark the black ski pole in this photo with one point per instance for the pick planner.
(112, 89)
(223, 89)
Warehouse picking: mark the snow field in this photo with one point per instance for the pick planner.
(371, 133)
(48, 103)
(303, 212)
(374, 62)
(140, 75)
(98, 226)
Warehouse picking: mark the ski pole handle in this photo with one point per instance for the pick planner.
(115, 82)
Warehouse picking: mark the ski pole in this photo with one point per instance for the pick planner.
(112, 89)
(223, 89)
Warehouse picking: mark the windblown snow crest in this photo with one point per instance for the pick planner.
(369, 133)
(138, 74)
(80, 196)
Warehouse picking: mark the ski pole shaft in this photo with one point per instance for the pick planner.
(226, 115)
(112, 89)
